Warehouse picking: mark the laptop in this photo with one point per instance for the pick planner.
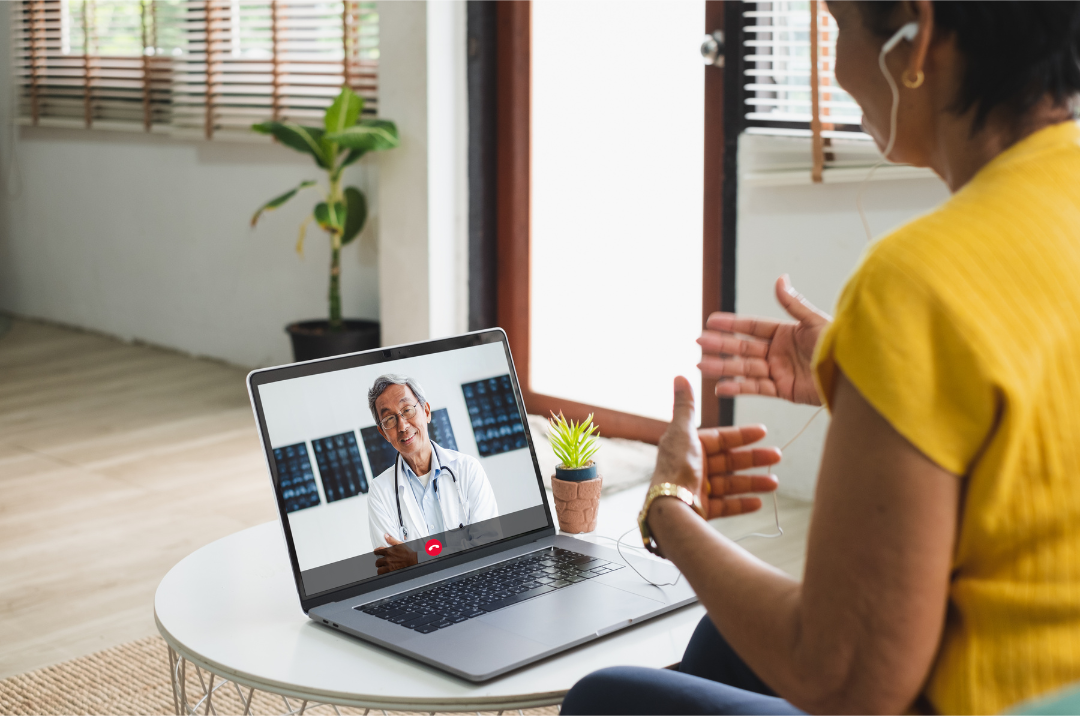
(460, 568)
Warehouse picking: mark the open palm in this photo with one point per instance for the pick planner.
(760, 356)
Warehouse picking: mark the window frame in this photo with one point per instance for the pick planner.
(513, 218)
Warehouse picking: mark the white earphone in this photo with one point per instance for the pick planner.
(907, 32)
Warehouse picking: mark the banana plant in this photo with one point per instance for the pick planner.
(342, 140)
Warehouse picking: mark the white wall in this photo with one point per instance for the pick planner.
(424, 230)
(147, 237)
(812, 232)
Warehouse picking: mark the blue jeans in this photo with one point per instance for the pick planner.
(711, 679)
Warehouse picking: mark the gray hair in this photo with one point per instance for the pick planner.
(385, 381)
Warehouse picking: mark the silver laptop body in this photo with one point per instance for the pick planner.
(324, 458)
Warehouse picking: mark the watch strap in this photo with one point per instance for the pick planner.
(664, 489)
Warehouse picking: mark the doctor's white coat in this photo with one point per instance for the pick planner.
(474, 484)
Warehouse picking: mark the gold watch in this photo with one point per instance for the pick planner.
(665, 489)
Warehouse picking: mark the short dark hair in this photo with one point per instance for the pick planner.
(1016, 51)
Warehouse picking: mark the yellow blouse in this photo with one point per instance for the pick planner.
(962, 329)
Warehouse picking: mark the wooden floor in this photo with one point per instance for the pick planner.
(118, 460)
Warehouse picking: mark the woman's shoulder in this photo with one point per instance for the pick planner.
(923, 278)
(908, 334)
(906, 261)
(1029, 193)
(1028, 198)
(999, 239)
(952, 229)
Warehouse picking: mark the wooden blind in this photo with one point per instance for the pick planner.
(206, 68)
(779, 89)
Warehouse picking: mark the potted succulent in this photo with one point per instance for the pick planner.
(342, 140)
(576, 485)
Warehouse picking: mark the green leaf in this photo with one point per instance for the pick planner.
(330, 219)
(275, 203)
(344, 112)
(368, 135)
(340, 115)
(302, 139)
(322, 215)
(356, 205)
(574, 444)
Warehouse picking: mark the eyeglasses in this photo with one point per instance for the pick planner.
(390, 421)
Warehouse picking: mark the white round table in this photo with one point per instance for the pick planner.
(231, 608)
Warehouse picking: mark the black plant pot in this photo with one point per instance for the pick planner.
(576, 474)
(314, 339)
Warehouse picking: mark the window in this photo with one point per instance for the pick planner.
(777, 60)
(190, 67)
(616, 257)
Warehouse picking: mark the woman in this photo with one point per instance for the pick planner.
(943, 563)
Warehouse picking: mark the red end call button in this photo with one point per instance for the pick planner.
(433, 547)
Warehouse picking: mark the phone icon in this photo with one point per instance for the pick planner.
(433, 547)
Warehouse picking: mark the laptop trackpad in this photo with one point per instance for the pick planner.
(570, 614)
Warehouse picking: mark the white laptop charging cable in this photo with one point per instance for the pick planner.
(779, 531)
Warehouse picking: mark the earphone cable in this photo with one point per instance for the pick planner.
(779, 532)
(893, 114)
(859, 197)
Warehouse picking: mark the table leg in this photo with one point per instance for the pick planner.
(173, 657)
(182, 706)
(247, 704)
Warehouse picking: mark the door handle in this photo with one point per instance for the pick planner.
(712, 49)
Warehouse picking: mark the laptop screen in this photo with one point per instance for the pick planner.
(442, 465)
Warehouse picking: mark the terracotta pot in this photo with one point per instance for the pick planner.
(577, 503)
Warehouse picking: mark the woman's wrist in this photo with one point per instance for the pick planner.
(663, 512)
(664, 515)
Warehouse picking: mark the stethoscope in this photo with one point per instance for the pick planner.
(397, 494)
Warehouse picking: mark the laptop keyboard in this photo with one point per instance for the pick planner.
(496, 587)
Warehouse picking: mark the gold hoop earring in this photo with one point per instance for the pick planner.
(913, 83)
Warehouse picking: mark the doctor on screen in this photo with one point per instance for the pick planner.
(428, 489)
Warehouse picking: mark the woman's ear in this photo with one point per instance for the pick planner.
(920, 46)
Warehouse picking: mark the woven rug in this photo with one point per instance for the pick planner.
(133, 678)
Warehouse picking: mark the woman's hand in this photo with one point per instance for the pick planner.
(774, 356)
(706, 460)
